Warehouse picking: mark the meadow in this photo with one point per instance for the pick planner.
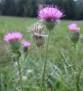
(62, 59)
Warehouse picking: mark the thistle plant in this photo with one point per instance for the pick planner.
(49, 16)
(13, 38)
(74, 36)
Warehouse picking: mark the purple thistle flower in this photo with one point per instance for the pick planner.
(73, 27)
(12, 36)
(74, 32)
(26, 44)
(50, 13)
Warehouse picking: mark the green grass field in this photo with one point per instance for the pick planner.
(22, 24)
(60, 46)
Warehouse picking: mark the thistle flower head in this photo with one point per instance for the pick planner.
(26, 44)
(73, 28)
(38, 34)
(37, 28)
(50, 13)
(74, 32)
(12, 36)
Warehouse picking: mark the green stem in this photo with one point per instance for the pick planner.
(41, 84)
(75, 54)
(2, 88)
(75, 47)
(78, 80)
(20, 75)
(79, 71)
(45, 65)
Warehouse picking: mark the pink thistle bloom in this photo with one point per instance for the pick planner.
(73, 28)
(50, 13)
(26, 43)
(12, 36)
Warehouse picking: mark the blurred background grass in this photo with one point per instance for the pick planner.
(59, 38)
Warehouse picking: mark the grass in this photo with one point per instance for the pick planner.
(60, 47)
(21, 24)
